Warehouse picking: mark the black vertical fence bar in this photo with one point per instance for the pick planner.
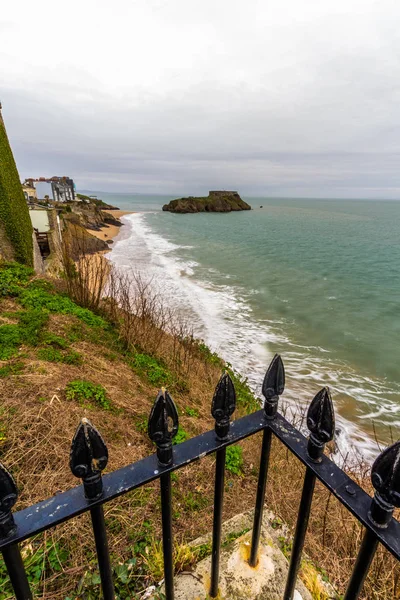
(89, 456)
(385, 477)
(11, 554)
(361, 568)
(166, 514)
(217, 522)
(162, 428)
(321, 423)
(103, 555)
(300, 534)
(273, 386)
(261, 486)
(15, 567)
(222, 408)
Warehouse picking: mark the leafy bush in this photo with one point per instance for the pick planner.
(82, 391)
(234, 459)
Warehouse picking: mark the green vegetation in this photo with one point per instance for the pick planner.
(83, 391)
(14, 213)
(181, 436)
(40, 560)
(244, 396)
(13, 368)
(97, 202)
(53, 355)
(234, 460)
(152, 368)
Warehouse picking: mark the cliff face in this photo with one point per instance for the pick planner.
(216, 201)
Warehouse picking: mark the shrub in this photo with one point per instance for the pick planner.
(82, 391)
(234, 459)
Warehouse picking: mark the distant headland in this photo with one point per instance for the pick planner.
(216, 201)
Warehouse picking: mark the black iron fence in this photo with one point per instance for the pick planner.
(89, 457)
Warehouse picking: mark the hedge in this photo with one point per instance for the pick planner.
(14, 213)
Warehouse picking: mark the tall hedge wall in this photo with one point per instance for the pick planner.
(14, 213)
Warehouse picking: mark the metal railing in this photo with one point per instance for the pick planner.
(89, 457)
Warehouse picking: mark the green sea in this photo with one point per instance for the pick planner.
(316, 280)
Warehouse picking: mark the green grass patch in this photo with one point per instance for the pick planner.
(192, 412)
(13, 368)
(10, 340)
(12, 277)
(51, 354)
(36, 296)
(152, 369)
(41, 561)
(181, 436)
(85, 391)
(234, 460)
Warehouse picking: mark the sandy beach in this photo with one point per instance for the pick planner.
(111, 231)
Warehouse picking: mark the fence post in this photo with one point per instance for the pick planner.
(385, 477)
(162, 428)
(272, 388)
(222, 407)
(11, 554)
(321, 423)
(89, 456)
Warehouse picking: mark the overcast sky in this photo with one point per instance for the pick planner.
(270, 97)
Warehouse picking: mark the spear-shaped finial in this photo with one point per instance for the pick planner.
(385, 477)
(8, 497)
(163, 426)
(89, 456)
(273, 386)
(223, 405)
(321, 423)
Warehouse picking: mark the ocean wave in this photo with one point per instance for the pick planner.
(222, 315)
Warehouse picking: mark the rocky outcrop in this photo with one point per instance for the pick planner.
(216, 201)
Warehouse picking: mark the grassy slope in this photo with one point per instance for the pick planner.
(47, 342)
(14, 214)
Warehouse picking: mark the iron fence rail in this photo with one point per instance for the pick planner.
(89, 457)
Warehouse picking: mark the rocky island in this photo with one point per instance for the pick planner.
(216, 201)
